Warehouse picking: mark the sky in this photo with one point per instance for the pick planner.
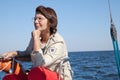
(84, 24)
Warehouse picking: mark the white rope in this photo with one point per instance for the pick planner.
(5, 66)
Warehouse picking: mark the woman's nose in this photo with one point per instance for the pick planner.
(36, 21)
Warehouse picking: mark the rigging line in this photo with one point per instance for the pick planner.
(110, 12)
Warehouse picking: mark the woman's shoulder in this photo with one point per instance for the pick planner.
(58, 37)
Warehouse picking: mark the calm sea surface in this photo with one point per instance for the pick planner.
(93, 65)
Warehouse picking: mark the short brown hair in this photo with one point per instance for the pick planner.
(50, 14)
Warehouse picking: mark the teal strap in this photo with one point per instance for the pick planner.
(117, 55)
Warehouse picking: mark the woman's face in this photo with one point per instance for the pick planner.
(40, 22)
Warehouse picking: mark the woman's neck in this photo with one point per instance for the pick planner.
(45, 37)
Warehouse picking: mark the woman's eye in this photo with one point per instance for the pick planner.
(39, 18)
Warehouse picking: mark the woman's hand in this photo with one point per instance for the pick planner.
(36, 34)
(8, 55)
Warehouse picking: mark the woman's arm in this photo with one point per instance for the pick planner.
(53, 53)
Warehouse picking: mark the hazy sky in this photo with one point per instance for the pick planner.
(84, 24)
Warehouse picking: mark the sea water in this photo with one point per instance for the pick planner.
(90, 65)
